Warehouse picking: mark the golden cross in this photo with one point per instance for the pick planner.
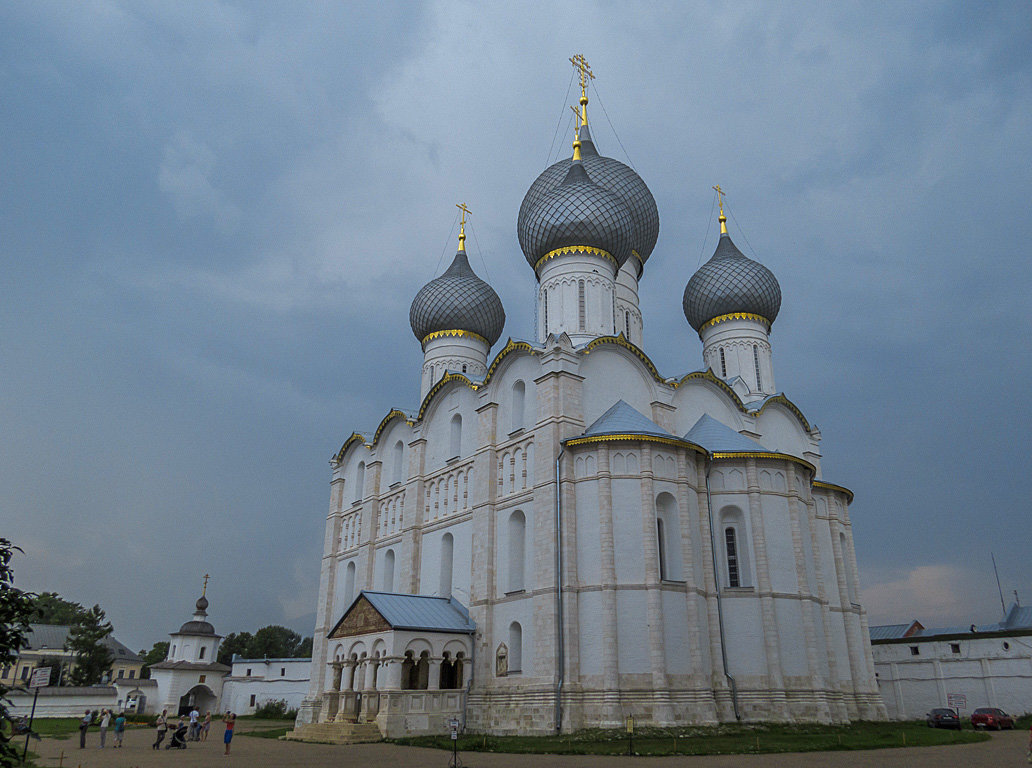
(205, 590)
(462, 225)
(720, 198)
(581, 65)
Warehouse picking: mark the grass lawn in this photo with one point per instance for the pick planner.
(268, 733)
(712, 740)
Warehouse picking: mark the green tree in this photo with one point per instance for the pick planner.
(51, 608)
(234, 643)
(15, 609)
(157, 654)
(274, 642)
(304, 651)
(86, 639)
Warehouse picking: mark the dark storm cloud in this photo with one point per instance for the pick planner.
(215, 214)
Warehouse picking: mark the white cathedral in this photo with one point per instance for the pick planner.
(561, 536)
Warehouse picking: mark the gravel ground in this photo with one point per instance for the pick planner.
(1004, 749)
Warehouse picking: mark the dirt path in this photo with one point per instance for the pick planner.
(1004, 749)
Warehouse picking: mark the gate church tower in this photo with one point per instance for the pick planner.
(559, 536)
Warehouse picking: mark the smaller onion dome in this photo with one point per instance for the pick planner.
(730, 282)
(202, 604)
(458, 300)
(578, 212)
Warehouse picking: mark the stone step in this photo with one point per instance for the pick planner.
(336, 733)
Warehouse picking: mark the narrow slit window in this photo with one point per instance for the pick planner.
(734, 578)
(723, 363)
(581, 306)
(756, 362)
(661, 549)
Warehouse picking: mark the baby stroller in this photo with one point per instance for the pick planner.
(178, 740)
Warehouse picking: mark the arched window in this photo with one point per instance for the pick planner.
(456, 436)
(172, 655)
(203, 649)
(515, 647)
(447, 554)
(388, 571)
(519, 393)
(349, 584)
(581, 305)
(399, 455)
(735, 545)
(734, 576)
(756, 362)
(360, 481)
(723, 364)
(517, 550)
(661, 549)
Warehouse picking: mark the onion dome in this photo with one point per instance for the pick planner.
(730, 282)
(196, 627)
(609, 174)
(578, 213)
(458, 300)
(202, 604)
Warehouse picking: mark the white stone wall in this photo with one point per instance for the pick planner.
(637, 640)
(269, 680)
(989, 671)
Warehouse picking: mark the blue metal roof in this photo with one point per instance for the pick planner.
(889, 631)
(714, 436)
(1018, 618)
(419, 612)
(623, 419)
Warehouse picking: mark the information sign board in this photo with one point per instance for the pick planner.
(40, 677)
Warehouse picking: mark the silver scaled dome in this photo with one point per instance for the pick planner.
(609, 174)
(458, 300)
(577, 212)
(730, 282)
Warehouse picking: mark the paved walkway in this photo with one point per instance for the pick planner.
(1005, 749)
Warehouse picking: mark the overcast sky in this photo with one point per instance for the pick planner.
(214, 215)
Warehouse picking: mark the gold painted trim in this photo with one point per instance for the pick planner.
(630, 436)
(621, 341)
(763, 455)
(454, 332)
(394, 414)
(576, 249)
(448, 377)
(833, 487)
(510, 346)
(355, 437)
(735, 316)
(782, 400)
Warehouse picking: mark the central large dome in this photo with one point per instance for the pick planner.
(611, 175)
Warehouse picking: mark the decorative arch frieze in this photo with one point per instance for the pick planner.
(356, 437)
(393, 414)
(620, 340)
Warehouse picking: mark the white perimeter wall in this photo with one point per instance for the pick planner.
(984, 671)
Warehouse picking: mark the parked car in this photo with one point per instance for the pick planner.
(943, 717)
(991, 717)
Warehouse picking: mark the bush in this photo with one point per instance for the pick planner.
(275, 709)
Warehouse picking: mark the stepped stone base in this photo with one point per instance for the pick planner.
(340, 732)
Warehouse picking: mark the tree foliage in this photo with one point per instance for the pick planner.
(86, 639)
(15, 609)
(51, 608)
(271, 642)
(157, 654)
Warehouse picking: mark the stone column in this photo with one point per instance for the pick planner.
(711, 586)
(433, 682)
(687, 528)
(803, 590)
(610, 650)
(662, 713)
(771, 645)
(392, 673)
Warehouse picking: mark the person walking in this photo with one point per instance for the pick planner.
(84, 725)
(207, 726)
(194, 725)
(119, 730)
(230, 721)
(105, 721)
(162, 725)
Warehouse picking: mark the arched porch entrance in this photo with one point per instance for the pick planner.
(200, 697)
